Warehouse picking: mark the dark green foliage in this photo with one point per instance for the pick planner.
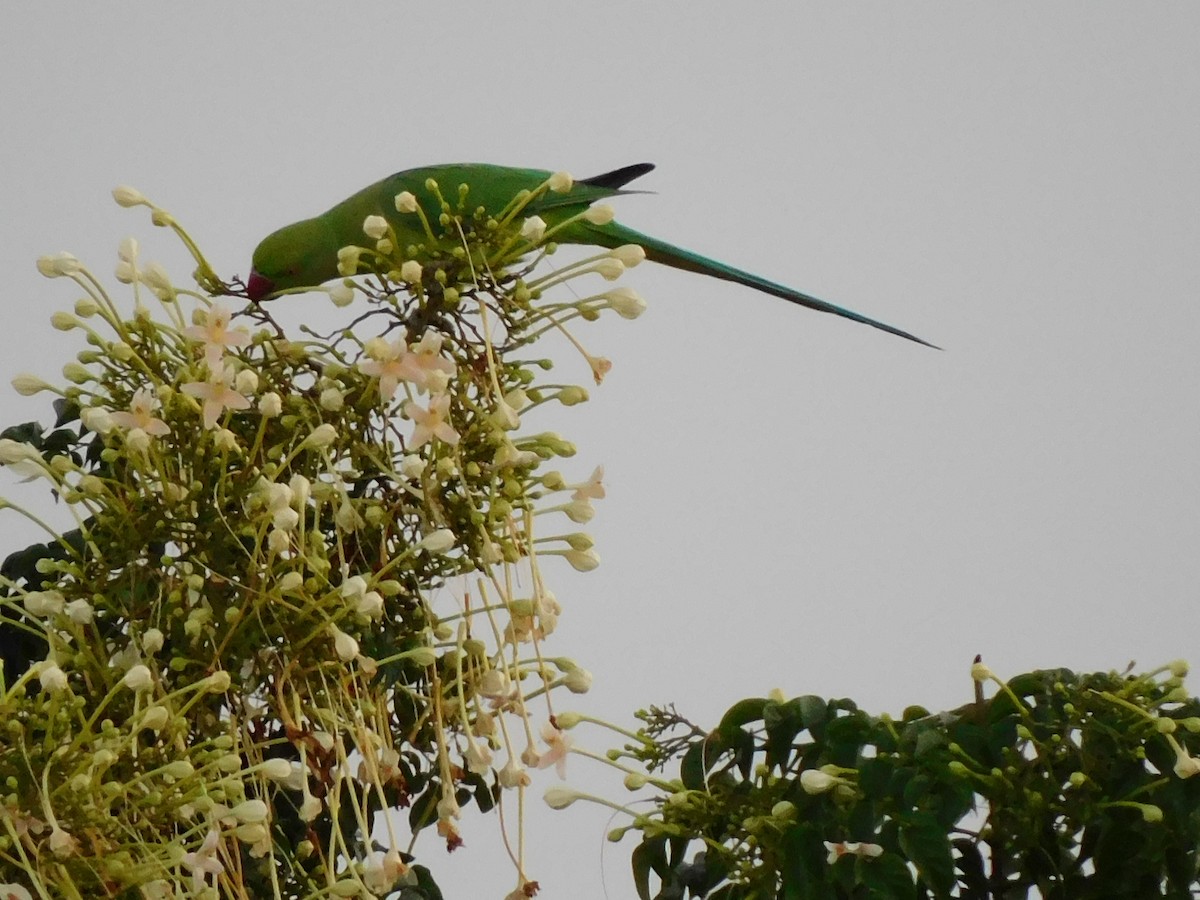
(1062, 783)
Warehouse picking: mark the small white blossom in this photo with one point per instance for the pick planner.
(406, 202)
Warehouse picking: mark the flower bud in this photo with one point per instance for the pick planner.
(138, 678)
(321, 436)
(27, 385)
(375, 227)
(629, 254)
(438, 541)
(411, 272)
(600, 214)
(129, 197)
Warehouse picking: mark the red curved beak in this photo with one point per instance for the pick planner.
(258, 287)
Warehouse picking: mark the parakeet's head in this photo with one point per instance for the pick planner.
(298, 255)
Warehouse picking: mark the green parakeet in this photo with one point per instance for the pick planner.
(305, 254)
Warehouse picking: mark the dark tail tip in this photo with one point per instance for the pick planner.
(618, 178)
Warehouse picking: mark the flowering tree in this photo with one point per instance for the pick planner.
(301, 617)
(305, 584)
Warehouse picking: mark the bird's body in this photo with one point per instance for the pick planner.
(305, 254)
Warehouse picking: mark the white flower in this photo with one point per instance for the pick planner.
(855, 848)
(406, 202)
(203, 861)
(375, 227)
(217, 394)
(431, 422)
(12, 891)
(559, 745)
(142, 406)
(560, 182)
(214, 333)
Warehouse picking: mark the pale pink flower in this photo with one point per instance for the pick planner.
(216, 335)
(431, 423)
(142, 407)
(218, 395)
(559, 744)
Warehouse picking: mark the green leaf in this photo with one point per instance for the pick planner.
(886, 877)
(927, 846)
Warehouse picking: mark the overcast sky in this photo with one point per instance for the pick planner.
(795, 501)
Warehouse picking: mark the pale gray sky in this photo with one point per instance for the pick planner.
(795, 501)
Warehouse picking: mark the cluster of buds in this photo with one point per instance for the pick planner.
(290, 603)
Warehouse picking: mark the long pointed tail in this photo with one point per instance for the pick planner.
(614, 235)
